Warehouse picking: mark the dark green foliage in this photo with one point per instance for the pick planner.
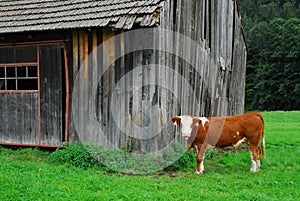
(277, 62)
(209, 154)
(174, 158)
(76, 155)
(272, 30)
(186, 159)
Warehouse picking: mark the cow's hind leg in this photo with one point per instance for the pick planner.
(200, 150)
(255, 160)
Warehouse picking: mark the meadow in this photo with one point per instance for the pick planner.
(29, 174)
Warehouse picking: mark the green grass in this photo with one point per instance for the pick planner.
(28, 174)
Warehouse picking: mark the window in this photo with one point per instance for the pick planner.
(18, 68)
(18, 78)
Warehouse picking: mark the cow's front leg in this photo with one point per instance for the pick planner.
(200, 160)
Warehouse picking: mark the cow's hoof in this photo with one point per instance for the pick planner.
(254, 171)
(199, 172)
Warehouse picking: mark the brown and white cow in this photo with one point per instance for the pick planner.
(204, 133)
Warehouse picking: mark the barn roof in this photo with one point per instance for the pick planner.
(38, 15)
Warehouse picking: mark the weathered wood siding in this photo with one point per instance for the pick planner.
(19, 122)
(216, 26)
(215, 71)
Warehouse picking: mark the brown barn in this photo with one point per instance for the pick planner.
(45, 44)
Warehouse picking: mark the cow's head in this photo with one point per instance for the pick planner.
(188, 123)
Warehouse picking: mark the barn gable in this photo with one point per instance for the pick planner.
(57, 40)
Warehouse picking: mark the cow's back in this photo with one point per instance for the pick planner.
(230, 130)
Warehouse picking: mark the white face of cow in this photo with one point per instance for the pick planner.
(186, 126)
(187, 123)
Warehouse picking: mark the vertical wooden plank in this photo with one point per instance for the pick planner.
(94, 71)
(188, 55)
(196, 88)
(20, 118)
(218, 17)
(136, 96)
(112, 85)
(161, 81)
(4, 119)
(77, 64)
(178, 61)
(172, 102)
(187, 52)
(198, 12)
(105, 86)
(123, 114)
(203, 21)
(193, 57)
(223, 36)
(208, 23)
(205, 84)
(181, 64)
(230, 35)
(151, 98)
(75, 53)
(84, 84)
(128, 38)
(51, 94)
(73, 70)
(84, 57)
(109, 78)
(214, 27)
(99, 63)
(224, 60)
(167, 78)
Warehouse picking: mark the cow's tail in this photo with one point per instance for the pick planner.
(262, 143)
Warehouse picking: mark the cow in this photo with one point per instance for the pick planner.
(203, 133)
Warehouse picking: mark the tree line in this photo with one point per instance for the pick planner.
(272, 29)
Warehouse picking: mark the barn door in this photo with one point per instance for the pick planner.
(33, 95)
(52, 94)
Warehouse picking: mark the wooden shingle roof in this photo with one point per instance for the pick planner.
(38, 15)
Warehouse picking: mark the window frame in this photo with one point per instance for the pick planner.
(16, 78)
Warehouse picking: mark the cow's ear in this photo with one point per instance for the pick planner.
(176, 120)
(202, 121)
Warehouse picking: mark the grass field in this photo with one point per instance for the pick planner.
(28, 174)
